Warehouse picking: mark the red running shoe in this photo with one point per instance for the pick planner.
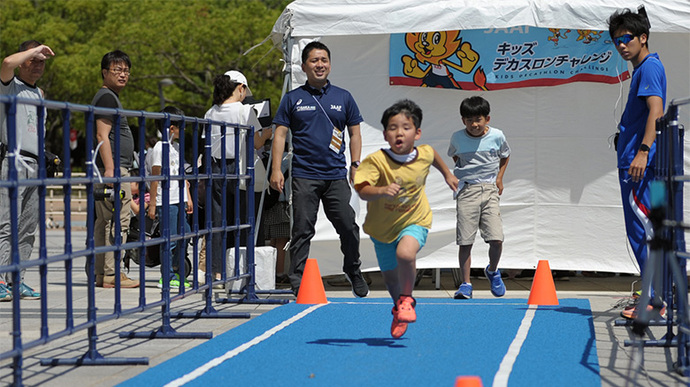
(397, 328)
(406, 311)
(631, 312)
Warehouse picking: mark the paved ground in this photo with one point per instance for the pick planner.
(604, 294)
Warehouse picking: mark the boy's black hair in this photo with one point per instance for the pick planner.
(406, 107)
(315, 45)
(29, 44)
(636, 23)
(116, 56)
(223, 87)
(173, 120)
(474, 107)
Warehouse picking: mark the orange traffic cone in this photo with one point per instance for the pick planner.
(468, 381)
(311, 290)
(543, 290)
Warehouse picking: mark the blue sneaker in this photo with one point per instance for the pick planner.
(26, 293)
(464, 292)
(498, 288)
(5, 294)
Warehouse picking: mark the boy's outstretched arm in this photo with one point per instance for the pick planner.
(501, 170)
(451, 180)
(368, 192)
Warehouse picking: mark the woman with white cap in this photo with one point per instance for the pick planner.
(229, 90)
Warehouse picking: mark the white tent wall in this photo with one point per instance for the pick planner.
(561, 200)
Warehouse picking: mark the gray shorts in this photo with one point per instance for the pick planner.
(477, 208)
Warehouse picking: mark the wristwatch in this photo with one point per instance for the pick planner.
(644, 148)
(355, 164)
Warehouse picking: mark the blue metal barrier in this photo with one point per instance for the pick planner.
(669, 240)
(669, 170)
(670, 138)
(198, 232)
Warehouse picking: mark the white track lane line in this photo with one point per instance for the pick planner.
(506, 367)
(234, 352)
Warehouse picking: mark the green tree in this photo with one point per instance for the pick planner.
(188, 42)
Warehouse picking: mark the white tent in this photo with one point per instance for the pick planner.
(561, 200)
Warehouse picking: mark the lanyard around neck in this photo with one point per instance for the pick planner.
(323, 110)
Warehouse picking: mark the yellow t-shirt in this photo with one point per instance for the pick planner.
(387, 217)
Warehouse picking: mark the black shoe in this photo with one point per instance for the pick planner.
(526, 274)
(562, 275)
(359, 285)
(342, 280)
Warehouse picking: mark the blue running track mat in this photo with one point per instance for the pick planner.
(347, 342)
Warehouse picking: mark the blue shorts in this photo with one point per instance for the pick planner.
(386, 252)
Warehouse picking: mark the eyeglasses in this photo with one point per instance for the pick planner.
(625, 39)
(120, 71)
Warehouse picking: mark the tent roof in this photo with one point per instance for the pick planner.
(304, 18)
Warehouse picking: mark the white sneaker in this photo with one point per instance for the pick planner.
(202, 276)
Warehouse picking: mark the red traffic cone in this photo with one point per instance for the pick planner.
(543, 290)
(311, 290)
(468, 381)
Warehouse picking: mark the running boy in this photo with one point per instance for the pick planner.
(398, 213)
(481, 156)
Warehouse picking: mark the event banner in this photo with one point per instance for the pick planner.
(495, 59)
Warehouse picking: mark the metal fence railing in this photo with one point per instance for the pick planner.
(666, 271)
(76, 192)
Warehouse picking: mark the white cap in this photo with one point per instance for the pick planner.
(238, 77)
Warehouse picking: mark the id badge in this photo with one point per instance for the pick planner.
(336, 140)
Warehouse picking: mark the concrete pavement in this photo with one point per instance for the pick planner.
(605, 296)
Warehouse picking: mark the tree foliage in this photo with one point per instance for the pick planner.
(186, 41)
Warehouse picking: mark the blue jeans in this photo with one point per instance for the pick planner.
(217, 251)
(177, 247)
(335, 196)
